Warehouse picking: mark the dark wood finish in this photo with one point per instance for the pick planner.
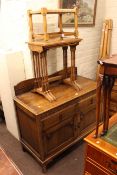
(101, 157)
(47, 129)
(7, 166)
(113, 100)
(106, 79)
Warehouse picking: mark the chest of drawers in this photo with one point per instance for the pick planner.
(47, 129)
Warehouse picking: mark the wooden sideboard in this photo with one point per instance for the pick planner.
(48, 128)
(101, 156)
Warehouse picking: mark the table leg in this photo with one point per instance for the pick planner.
(73, 74)
(41, 75)
(105, 86)
(65, 61)
(98, 97)
(111, 81)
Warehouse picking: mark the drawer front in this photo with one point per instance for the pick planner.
(87, 104)
(92, 169)
(58, 117)
(102, 159)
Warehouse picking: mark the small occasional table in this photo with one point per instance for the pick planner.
(105, 81)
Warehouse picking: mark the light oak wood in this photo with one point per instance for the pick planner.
(44, 11)
(110, 26)
(39, 44)
(54, 11)
(106, 39)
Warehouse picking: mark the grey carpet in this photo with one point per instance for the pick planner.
(71, 162)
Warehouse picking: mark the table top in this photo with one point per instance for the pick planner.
(112, 61)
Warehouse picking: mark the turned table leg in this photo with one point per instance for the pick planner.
(98, 97)
(65, 61)
(41, 75)
(105, 85)
(73, 73)
(111, 81)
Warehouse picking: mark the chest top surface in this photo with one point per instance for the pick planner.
(37, 104)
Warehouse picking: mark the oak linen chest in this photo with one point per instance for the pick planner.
(48, 128)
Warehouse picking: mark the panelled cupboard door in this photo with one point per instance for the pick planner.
(59, 136)
(86, 112)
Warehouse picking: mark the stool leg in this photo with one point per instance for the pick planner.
(65, 61)
(73, 73)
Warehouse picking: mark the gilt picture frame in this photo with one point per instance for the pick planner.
(86, 12)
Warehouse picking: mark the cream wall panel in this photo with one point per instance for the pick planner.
(11, 72)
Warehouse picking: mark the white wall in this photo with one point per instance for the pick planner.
(11, 72)
(111, 12)
(11, 57)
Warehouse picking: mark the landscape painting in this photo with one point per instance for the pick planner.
(86, 14)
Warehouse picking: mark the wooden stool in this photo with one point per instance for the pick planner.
(105, 81)
(39, 44)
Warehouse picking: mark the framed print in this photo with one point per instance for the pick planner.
(86, 14)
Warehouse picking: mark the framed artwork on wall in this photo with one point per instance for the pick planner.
(86, 14)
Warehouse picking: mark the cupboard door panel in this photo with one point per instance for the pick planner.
(59, 136)
(86, 112)
(28, 129)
